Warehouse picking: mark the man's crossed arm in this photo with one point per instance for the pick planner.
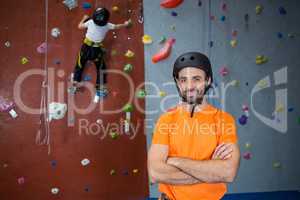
(222, 167)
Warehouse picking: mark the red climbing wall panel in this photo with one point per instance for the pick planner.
(27, 170)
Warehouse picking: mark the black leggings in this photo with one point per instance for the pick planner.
(95, 54)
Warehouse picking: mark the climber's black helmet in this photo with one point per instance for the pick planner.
(197, 60)
(101, 16)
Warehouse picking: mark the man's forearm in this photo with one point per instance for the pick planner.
(168, 174)
(209, 171)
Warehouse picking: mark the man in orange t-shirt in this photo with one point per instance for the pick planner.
(194, 150)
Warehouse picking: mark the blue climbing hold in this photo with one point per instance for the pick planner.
(243, 120)
(87, 78)
(282, 10)
(279, 35)
(223, 18)
(174, 14)
(86, 5)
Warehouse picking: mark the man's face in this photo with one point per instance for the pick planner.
(191, 82)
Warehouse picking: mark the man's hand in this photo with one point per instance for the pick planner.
(128, 23)
(222, 152)
(85, 17)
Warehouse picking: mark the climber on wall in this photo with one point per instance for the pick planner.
(93, 49)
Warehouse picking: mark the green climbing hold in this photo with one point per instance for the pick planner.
(128, 68)
(128, 108)
(114, 135)
(141, 94)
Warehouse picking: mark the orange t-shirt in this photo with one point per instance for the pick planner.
(195, 138)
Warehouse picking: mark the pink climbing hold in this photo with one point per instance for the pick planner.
(223, 71)
(42, 48)
(164, 52)
(247, 155)
(5, 105)
(21, 180)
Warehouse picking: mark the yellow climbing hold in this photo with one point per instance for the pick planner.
(279, 108)
(24, 60)
(147, 39)
(129, 54)
(261, 59)
(259, 9)
(233, 43)
(162, 93)
(262, 84)
(115, 9)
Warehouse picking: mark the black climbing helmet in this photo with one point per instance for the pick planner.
(101, 16)
(193, 59)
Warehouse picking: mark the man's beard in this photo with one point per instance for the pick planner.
(197, 98)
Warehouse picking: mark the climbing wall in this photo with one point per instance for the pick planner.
(254, 48)
(87, 154)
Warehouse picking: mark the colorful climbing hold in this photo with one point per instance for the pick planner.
(147, 39)
(170, 3)
(260, 59)
(85, 162)
(55, 32)
(24, 60)
(129, 54)
(113, 52)
(199, 3)
(162, 40)
(7, 44)
(223, 6)
(247, 155)
(87, 188)
(164, 52)
(248, 145)
(210, 44)
(233, 43)
(223, 18)
(87, 78)
(128, 108)
(259, 9)
(128, 68)
(262, 84)
(282, 10)
(115, 9)
(21, 180)
(54, 191)
(223, 71)
(162, 93)
(141, 94)
(243, 120)
(173, 27)
(113, 135)
(135, 171)
(174, 14)
(279, 35)
(276, 164)
(53, 163)
(234, 33)
(112, 172)
(235, 83)
(86, 5)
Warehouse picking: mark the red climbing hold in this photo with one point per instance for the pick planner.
(164, 52)
(170, 3)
